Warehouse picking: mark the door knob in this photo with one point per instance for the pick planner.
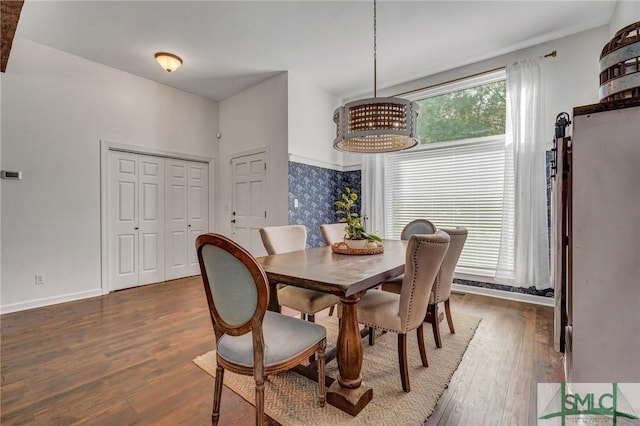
(233, 221)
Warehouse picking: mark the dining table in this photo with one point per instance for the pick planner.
(347, 276)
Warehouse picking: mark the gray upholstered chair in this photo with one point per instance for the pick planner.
(418, 226)
(249, 339)
(332, 233)
(284, 239)
(441, 290)
(404, 312)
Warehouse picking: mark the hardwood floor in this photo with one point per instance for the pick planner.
(125, 358)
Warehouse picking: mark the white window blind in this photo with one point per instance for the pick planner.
(451, 184)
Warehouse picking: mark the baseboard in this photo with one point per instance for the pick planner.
(38, 303)
(508, 295)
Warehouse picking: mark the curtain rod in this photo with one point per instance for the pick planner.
(420, 89)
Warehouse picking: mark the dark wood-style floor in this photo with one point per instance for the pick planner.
(125, 358)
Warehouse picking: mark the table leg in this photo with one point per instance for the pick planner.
(348, 392)
(273, 298)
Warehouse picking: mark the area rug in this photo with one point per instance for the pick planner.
(290, 399)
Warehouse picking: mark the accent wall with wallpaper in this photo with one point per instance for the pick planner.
(315, 189)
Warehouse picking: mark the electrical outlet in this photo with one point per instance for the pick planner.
(39, 279)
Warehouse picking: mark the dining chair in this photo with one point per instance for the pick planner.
(332, 233)
(285, 239)
(418, 226)
(249, 339)
(441, 291)
(405, 312)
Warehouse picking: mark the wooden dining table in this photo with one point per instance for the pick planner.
(348, 277)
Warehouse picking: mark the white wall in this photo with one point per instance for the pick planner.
(311, 126)
(626, 13)
(255, 118)
(56, 108)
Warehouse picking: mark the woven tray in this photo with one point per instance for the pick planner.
(343, 248)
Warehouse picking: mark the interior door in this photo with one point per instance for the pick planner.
(151, 219)
(176, 219)
(123, 220)
(249, 212)
(198, 210)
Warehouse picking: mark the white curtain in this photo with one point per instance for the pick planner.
(373, 193)
(525, 229)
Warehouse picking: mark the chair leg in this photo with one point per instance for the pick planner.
(311, 318)
(447, 310)
(436, 326)
(331, 310)
(372, 336)
(402, 358)
(423, 351)
(321, 373)
(259, 400)
(217, 395)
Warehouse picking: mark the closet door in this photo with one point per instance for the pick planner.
(123, 220)
(136, 216)
(198, 210)
(176, 219)
(187, 215)
(151, 219)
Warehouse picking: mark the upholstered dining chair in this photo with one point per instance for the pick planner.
(284, 239)
(441, 291)
(405, 312)
(332, 232)
(418, 226)
(249, 339)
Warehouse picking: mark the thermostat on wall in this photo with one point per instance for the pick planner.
(5, 174)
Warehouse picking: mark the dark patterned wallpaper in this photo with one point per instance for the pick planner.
(316, 188)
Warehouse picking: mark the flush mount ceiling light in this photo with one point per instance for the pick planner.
(376, 125)
(168, 61)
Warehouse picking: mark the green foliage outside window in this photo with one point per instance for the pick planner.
(469, 113)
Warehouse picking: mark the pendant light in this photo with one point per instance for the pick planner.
(376, 125)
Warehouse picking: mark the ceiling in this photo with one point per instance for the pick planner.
(230, 46)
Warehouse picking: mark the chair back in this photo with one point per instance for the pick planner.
(236, 286)
(284, 239)
(442, 286)
(423, 259)
(332, 232)
(418, 226)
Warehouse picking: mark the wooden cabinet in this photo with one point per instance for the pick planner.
(601, 263)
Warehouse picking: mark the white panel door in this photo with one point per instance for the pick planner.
(249, 212)
(176, 219)
(151, 219)
(123, 220)
(198, 210)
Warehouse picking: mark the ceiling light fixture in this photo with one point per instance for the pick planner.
(168, 61)
(376, 125)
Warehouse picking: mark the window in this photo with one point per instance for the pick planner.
(456, 177)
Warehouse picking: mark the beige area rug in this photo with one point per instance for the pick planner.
(290, 398)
